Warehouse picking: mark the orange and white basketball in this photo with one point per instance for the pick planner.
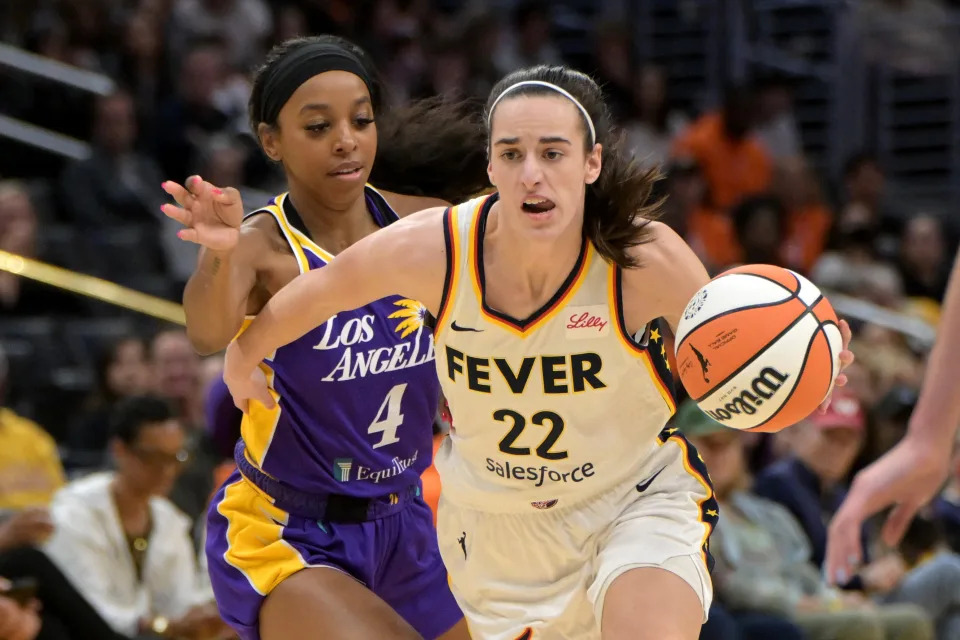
(758, 348)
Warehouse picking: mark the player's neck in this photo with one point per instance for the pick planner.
(540, 266)
(332, 226)
(130, 502)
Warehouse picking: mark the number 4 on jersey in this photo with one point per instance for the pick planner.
(391, 417)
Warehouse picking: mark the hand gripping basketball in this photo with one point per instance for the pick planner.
(212, 216)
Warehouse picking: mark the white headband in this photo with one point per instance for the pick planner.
(561, 91)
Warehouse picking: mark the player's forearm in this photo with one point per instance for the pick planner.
(937, 415)
(306, 302)
(214, 301)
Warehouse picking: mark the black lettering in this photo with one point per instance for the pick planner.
(490, 465)
(517, 381)
(518, 473)
(565, 474)
(519, 422)
(769, 379)
(554, 476)
(587, 473)
(573, 474)
(584, 367)
(454, 358)
(551, 375)
(476, 377)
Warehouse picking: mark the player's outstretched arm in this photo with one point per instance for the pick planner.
(407, 258)
(911, 473)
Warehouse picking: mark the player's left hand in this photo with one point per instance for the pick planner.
(846, 359)
(245, 380)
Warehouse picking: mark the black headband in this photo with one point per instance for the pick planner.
(300, 66)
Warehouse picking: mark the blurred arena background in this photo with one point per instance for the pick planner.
(822, 135)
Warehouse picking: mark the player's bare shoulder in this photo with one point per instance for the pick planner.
(263, 247)
(666, 276)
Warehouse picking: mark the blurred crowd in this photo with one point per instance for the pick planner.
(111, 438)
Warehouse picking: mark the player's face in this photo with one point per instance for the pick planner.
(326, 137)
(538, 162)
(153, 462)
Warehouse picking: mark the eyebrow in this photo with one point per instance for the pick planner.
(543, 140)
(319, 106)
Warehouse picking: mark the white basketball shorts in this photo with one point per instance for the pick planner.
(543, 575)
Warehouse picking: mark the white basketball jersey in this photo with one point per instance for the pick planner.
(552, 409)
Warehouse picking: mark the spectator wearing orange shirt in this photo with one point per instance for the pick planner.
(709, 233)
(808, 220)
(735, 164)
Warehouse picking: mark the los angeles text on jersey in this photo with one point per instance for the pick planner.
(358, 361)
(539, 475)
(558, 374)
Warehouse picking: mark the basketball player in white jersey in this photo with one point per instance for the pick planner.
(567, 511)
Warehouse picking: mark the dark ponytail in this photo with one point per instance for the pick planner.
(621, 203)
(433, 147)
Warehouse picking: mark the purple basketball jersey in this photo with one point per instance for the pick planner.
(357, 395)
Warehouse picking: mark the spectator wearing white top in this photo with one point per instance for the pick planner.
(123, 544)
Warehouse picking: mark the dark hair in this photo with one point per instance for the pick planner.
(744, 212)
(132, 415)
(106, 357)
(432, 147)
(858, 161)
(620, 203)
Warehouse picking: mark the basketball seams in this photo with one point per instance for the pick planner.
(746, 274)
(724, 314)
(767, 278)
(800, 370)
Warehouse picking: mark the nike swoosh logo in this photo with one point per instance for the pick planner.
(456, 327)
(642, 486)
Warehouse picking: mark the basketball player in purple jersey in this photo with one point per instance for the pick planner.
(322, 531)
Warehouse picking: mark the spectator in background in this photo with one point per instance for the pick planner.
(734, 163)
(808, 220)
(177, 370)
(122, 543)
(924, 262)
(117, 185)
(652, 125)
(30, 469)
(763, 556)
(708, 232)
(122, 371)
(612, 66)
(760, 226)
(529, 42)
(19, 234)
(866, 206)
(777, 127)
(810, 483)
(187, 121)
(854, 268)
(243, 25)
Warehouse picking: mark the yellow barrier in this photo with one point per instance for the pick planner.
(92, 287)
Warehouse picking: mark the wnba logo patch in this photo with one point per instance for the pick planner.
(544, 504)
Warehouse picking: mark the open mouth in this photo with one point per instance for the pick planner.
(351, 170)
(537, 205)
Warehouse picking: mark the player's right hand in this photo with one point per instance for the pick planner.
(16, 622)
(212, 216)
(906, 478)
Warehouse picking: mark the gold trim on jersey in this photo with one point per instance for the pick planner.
(255, 544)
(451, 233)
(613, 298)
(553, 306)
(708, 510)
